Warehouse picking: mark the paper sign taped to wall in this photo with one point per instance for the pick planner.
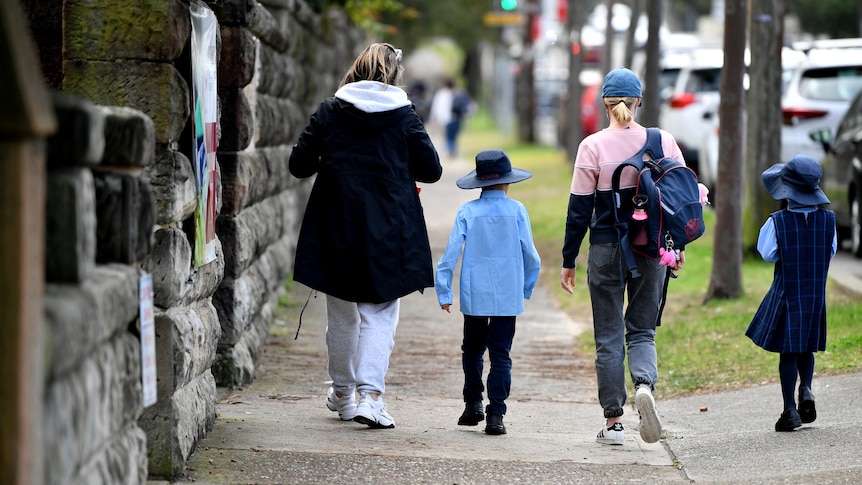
(148, 340)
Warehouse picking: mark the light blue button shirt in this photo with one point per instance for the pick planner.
(500, 264)
(767, 241)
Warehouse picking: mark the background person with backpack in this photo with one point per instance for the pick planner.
(448, 109)
(618, 331)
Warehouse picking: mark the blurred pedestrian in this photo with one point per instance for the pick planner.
(791, 320)
(418, 95)
(499, 270)
(449, 107)
(363, 240)
(618, 333)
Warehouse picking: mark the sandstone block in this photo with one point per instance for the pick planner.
(186, 338)
(237, 120)
(80, 138)
(89, 405)
(238, 57)
(173, 185)
(176, 423)
(70, 225)
(126, 216)
(80, 317)
(116, 29)
(129, 137)
(155, 88)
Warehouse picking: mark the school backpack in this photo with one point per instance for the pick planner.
(665, 211)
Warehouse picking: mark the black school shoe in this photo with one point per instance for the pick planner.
(472, 414)
(807, 411)
(494, 424)
(788, 421)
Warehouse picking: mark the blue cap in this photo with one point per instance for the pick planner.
(623, 83)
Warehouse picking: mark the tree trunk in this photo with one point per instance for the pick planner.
(648, 115)
(726, 278)
(607, 56)
(763, 147)
(637, 7)
(526, 89)
(572, 118)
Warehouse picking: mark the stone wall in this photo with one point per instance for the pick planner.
(128, 198)
(99, 208)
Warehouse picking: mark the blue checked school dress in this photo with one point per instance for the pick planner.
(792, 316)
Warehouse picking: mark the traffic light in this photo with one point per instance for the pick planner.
(508, 5)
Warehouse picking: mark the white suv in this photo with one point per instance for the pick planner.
(708, 152)
(690, 105)
(817, 96)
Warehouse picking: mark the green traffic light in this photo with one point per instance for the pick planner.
(508, 4)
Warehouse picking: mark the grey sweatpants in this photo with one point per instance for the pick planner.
(360, 338)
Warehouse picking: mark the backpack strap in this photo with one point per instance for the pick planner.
(653, 143)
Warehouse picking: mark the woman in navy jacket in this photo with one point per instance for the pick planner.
(363, 240)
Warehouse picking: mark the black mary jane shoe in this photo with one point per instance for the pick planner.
(807, 411)
(494, 424)
(788, 421)
(472, 414)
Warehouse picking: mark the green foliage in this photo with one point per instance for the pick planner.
(833, 18)
(366, 14)
(420, 20)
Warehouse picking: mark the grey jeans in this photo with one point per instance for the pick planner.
(619, 332)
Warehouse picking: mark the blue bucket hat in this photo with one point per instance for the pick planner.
(797, 180)
(492, 167)
(622, 83)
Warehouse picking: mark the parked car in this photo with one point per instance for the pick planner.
(690, 98)
(817, 96)
(708, 150)
(842, 172)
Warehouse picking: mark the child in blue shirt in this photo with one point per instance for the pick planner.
(499, 270)
(791, 320)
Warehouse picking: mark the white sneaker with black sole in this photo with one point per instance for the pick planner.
(611, 435)
(650, 423)
(345, 405)
(373, 413)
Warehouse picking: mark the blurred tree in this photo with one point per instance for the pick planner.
(763, 134)
(460, 20)
(726, 278)
(833, 18)
(649, 112)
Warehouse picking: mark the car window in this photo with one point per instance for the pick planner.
(831, 83)
(703, 80)
(853, 118)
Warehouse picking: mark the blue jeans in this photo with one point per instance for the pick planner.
(494, 334)
(452, 130)
(618, 333)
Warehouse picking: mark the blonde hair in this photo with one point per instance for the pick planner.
(621, 107)
(377, 62)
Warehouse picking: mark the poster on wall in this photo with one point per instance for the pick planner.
(205, 99)
(148, 340)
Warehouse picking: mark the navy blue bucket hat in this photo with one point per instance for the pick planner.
(621, 83)
(797, 180)
(492, 167)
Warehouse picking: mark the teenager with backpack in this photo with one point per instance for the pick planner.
(618, 331)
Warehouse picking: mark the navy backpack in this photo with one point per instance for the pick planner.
(665, 210)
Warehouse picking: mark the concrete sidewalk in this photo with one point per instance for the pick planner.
(278, 430)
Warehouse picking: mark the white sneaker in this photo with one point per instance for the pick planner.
(650, 426)
(373, 413)
(346, 406)
(611, 435)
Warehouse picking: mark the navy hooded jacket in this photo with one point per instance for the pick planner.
(363, 237)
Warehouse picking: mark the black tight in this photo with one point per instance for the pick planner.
(789, 366)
